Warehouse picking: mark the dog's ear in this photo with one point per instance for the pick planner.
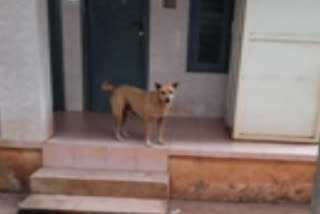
(157, 85)
(175, 85)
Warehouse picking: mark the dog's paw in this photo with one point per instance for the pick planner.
(161, 141)
(125, 134)
(119, 137)
(148, 143)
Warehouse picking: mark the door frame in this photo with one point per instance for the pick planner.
(86, 56)
(56, 54)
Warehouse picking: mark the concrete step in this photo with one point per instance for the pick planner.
(85, 154)
(62, 204)
(101, 183)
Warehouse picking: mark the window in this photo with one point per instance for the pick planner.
(209, 35)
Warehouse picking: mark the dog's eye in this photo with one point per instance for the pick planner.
(170, 92)
(163, 93)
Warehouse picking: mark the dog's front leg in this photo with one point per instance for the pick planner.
(148, 132)
(160, 130)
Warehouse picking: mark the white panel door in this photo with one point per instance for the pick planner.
(279, 81)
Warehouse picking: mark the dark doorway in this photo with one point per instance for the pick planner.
(56, 54)
(115, 46)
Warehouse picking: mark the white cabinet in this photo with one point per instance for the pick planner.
(274, 87)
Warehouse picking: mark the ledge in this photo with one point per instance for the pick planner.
(9, 144)
(243, 150)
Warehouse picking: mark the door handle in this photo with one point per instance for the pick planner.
(140, 28)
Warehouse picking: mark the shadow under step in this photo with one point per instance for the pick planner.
(63, 204)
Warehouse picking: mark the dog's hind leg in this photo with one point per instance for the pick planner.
(117, 104)
(123, 132)
(118, 128)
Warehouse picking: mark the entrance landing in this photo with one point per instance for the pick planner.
(199, 137)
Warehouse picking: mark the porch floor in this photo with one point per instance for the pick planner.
(201, 137)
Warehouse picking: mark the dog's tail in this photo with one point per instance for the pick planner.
(107, 86)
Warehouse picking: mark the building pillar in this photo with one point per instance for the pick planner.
(25, 87)
(72, 54)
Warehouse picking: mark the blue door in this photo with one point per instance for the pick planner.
(115, 47)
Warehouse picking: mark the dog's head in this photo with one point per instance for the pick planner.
(166, 92)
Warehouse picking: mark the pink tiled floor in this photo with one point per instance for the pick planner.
(185, 136)
(98, 127)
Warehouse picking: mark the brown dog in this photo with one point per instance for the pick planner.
(149, 105)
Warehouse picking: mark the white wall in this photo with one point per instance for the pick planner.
(200, 94)
(72, 54)
(25, 87)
